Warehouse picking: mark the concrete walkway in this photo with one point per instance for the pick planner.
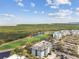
(52, 56)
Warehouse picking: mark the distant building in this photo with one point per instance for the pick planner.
(65, 32)
(75, 32)
(41, 49)
(40, 33)
(15, 56)
(57, 35)
(60, 34)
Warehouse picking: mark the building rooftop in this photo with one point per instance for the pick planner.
(15, 56)
(41, 45)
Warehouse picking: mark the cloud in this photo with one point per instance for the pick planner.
(50, 2)
(8, 19)
(19, 3)
(35, 12)
(63, 2)
(77, 8)
(18, 0)
(66, 12)
(42, 12)
(51, 14)
(56, 3)
(7, 15)
(26, 10)
(61, 14)
(32, 4)
(53, 7)
(77, 11)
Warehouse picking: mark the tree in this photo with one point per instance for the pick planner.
(17, 51)
(1, 42)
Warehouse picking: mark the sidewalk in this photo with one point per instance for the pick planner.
(52, 56)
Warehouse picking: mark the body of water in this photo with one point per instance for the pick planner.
(4, 54)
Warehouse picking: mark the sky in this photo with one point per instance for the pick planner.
(14, 12)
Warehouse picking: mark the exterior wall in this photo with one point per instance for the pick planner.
(75, 32)
(33, 52)
(43, 51)
(78, 49)
(48, 50)
(65, 32)
(39, 53)
(42, 54)
(57, 35)
(60, 34)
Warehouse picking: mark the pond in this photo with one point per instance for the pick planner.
(4, 54)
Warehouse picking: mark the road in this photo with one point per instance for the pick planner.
(66, 55)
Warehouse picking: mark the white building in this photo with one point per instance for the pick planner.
(41, 49)
(65, 32)
(75, 32)
(57, 35)
(15, 56)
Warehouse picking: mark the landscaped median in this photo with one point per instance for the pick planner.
(22, 42)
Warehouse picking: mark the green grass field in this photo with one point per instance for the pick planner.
(38, 27)
(5, 30)
(22, 42)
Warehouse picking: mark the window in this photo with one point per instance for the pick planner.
(36, 52)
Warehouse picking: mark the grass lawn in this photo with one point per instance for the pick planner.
(23, 42)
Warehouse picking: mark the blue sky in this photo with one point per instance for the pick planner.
(14, 12)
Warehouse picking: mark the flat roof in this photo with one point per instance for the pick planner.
(41, 45)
